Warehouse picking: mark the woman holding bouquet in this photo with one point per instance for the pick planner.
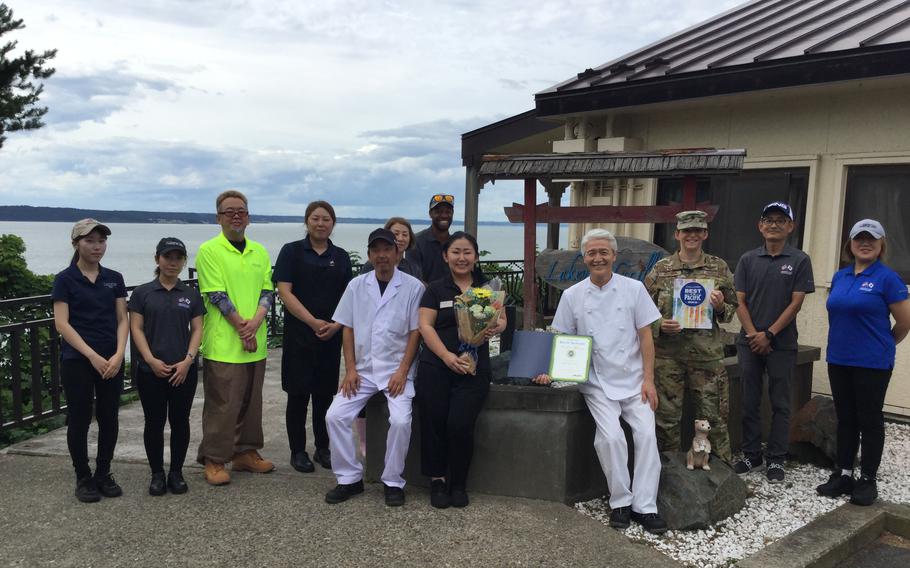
(449, 395)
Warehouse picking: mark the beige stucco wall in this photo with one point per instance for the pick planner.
(824, 128)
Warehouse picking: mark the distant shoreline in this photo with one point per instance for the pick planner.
(71, 215)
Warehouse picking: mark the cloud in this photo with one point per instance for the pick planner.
(73, 99)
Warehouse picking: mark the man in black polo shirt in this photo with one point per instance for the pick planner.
(771, 283)
(428, 242)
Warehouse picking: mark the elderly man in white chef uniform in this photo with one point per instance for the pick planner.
(379, 312)
(617, 313)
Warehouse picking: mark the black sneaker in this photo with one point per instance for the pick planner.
(619, 517)
(439, 494)
(176, 483)
(301, 462)
(323, 457)
(107, 486)
(394, 496)
(838, 484)
(344, 492)
(458, 497)
(87, 490)
(775, 472)
(865, 491)
(651, 522)
(158, 486)
(747, 464)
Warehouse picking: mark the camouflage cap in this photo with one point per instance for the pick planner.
(691, 220)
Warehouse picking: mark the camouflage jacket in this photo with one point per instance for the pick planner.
(690, 344)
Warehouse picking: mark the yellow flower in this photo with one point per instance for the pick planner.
(482, 293)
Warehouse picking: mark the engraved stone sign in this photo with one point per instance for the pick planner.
(563, 268)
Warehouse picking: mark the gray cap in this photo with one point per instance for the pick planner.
(86, 226)
(691, 220)
(870, 226)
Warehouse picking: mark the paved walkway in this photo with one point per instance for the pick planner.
(278, 519)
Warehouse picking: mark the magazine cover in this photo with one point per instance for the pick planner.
(692, 302)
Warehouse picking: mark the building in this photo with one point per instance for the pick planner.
(816, 91)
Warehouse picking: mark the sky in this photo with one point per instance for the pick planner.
(161, 104)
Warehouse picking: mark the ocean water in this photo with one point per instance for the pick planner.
(131, 246)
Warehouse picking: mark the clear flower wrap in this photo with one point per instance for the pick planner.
(476, 311)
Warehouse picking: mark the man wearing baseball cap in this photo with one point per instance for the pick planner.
(379, 312)
(428, 242)
(771, 283)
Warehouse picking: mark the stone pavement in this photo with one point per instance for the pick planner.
(277, 519)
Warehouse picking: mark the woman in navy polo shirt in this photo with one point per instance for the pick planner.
(861, 347)
(310, 276)
(90, 316)
(166, 325)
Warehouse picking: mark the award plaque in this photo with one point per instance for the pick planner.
(570, 359)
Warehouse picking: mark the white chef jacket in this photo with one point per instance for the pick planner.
(381, 323)
(612, 316)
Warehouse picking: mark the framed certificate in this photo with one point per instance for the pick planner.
(692, 302)
(570, 359)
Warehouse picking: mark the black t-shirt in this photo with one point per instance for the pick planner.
(92, 308)
(317, 280)
(428, 253)
(768, 283)
(440, 296)
(166, 316)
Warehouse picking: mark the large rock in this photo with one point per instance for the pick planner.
(695, 499)
(813, 432)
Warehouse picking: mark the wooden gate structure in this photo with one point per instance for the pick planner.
(549, 168)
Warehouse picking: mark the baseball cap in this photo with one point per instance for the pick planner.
(442, 199)
(780, 206)
(86, 226)
(167, 244)
(381, 235)
(870, 226)
(691, 220)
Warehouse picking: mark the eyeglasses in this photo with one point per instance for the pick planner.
(775, 222)
(440, 197)
(598, 252)
(234, 213)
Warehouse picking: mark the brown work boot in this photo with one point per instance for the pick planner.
(250, 460)
(215, 473)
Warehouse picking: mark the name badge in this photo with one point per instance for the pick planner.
(447, 304)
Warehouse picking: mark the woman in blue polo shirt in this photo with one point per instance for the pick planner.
(90, 316)
(861, 347)
(166, 325)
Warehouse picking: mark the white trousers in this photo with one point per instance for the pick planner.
(339, 419)
(610, 443)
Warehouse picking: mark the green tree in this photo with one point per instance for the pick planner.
(19, 81)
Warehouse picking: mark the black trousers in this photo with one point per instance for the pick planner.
(449, 404)
(84, 389)
(859, 396)
(779, 366)
(295, 418)
(162, 402)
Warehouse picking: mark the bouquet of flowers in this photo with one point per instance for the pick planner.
(476, 311)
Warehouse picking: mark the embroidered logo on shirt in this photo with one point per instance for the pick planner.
(110, 284)
(866, 286)
(184, 302)
(786, 269)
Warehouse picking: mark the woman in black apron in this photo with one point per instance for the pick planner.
(310, 276)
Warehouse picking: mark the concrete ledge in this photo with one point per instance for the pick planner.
(531, 442)
(833, 537)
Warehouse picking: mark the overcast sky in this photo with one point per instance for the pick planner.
(161, 104)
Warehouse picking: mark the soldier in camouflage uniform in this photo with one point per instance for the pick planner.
(691, 359)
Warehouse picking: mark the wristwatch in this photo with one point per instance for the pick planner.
(769, 334)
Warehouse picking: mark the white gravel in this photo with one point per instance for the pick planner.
(772, 511)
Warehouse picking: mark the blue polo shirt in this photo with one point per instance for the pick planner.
(859, 321)
(92, 308)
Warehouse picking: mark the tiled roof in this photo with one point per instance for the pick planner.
(757, 35)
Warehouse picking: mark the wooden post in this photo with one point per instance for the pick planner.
(471, 199)
(530, 279)
(689, 189)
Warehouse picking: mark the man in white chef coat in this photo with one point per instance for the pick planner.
(379, 312)
(617, 312)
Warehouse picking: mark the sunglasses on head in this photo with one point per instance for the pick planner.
(439, 197)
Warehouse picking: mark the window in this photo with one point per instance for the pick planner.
(881, 193)
(741, 198)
